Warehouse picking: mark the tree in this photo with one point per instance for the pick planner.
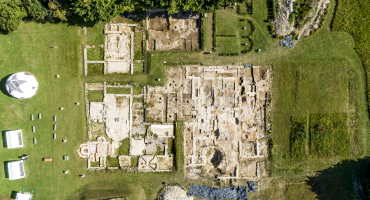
(58, 10)
(11, 15)
(34, 9)
(97, 10)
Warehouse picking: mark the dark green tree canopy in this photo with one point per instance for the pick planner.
(35, 9)
(11, 15)
(97, 10)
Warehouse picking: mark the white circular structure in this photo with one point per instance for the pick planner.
(22, 85)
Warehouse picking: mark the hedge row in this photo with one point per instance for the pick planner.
(253, 30)
(225, 35)
(183, 63)
(272, 9)
(228, 54)
(250, 47)
(202, 34)
(251, 7)
(214, 29)
(178, 51)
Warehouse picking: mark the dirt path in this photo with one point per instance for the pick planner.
(308, 25)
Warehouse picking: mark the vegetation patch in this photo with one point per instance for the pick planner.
(112, 162)
(134, 161)
(96, 53)
(170, 149)
(118, 90)
(353, 17)
(138, 67)
(95, 95)
(138, 99)
(95, 69)
(137, 89)
(228, 45)
(329, 134)
(94, 164)
(298, 137)
(125, 147)
(138, 46)
(232, 35)
(97, 129)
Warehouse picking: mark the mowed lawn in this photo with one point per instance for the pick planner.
(228, 24)
(29, 49)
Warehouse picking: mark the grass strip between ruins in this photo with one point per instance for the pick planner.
(94, 69)
(118, 90)
(95, 95)
(96, 53)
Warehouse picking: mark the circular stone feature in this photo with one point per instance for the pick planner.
(22, 85)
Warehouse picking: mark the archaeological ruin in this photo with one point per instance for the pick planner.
(224, 110)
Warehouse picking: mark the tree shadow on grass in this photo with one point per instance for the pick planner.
(3, 87)
(346, 180)
(76, 20)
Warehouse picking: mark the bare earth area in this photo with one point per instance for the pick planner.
(224, 113)
(178, 31)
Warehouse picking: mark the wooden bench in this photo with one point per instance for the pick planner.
(48, 159)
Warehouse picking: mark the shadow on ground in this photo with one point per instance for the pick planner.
(346, 180)
(4, 139)
(13, 195)
(6, 170)
(3, 87)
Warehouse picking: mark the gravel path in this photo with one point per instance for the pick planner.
(174, 193)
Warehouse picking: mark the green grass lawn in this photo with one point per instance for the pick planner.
(138, 46)
(118, 90)
(228, 45)
(95, 95)
(125, 147)
(96, 53)
(228, 23)
(29, 50)
(138, 67)
(94, 69)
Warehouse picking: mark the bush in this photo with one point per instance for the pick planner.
(11, 14)
(253, 28)
(214, 29)
(228, 54)
(238, 9)
(225, 35)
(202, 35)
(35, 9)
(291, 18)
(271, 28)
(251, 8)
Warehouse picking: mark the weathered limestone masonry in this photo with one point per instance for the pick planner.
(224, 109)
(117, 54)
(224, 115)
(123, 118)
(118, 58)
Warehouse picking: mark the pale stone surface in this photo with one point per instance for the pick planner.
(137, 147)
